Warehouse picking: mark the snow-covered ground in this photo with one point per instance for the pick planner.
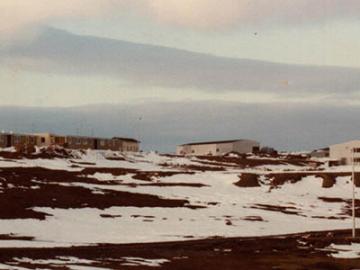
(227, 210)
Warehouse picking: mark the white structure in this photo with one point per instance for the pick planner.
(218, 148)
(343, 152)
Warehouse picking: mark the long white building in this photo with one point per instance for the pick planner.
(342, 152)
(218, 148)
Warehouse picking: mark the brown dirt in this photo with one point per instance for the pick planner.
(201, 168)
(245, 162)
(25, 188)
(329, 178)
(347, 209)
(288, 252)
(290, 210)
(254, 218)
(248, 180)
(15, 237)
(164, 184)
(45, 153)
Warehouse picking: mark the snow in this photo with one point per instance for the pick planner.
(69, 262)
(351, 251)
(223, 200)
(135, 261)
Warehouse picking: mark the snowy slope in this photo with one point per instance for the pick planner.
(215, 205)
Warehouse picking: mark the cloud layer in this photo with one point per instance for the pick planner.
(153, 66)
(17, 15)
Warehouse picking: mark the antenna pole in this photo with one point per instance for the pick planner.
(353, 195)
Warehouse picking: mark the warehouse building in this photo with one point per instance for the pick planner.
(20, 141)
(218, 148)
(343, 152)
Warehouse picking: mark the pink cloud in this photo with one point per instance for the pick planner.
(214, 13)
(197, 14)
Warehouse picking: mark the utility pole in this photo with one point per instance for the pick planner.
(353, 194)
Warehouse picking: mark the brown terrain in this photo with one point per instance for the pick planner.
(287, 252)
(22, 189)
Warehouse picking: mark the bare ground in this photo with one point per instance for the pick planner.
(290, 252)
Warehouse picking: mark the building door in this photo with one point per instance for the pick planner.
(8, 140)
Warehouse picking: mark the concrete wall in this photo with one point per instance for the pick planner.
(129, 146)
(203, 149)
(217, 149)
(43, 139)
(77, 142)
(245, 146)
(343, 152)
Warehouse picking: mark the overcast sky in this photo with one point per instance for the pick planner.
(259, 53)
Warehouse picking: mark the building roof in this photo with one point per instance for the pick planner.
(214, 142)
(126, 139)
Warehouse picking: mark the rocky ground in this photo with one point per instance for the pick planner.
(108, 210)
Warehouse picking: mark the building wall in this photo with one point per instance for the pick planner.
(129, 146)
(20, 141)
(43, 139)
(47, 139)
(71, 142)
(77, 142)
(246, 146)
(343, 152)
(241, 146)
(203, 149)
(3, 140)
(106, 144)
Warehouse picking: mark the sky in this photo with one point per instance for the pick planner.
(260, 53)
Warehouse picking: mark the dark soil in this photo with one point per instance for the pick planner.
(248, 180)
(26, 188)
(290, 210)
(288, 252)
(245, 162)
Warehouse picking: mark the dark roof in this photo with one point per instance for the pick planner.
(126, 139)
(213, 142)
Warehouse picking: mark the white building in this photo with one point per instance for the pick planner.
(343, 152)
(218, 148)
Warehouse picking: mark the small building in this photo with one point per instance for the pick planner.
(126, 144)
(5, 140)
(343, 153)
(218, 148)
(80, 142)
(48, 139)
(19, 141)
(105, 144)
(320, 153)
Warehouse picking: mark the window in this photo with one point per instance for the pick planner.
(217, 150)
(43, 139)
(356, 150)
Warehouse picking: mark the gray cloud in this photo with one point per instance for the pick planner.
(161, 126)
(145, 65)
